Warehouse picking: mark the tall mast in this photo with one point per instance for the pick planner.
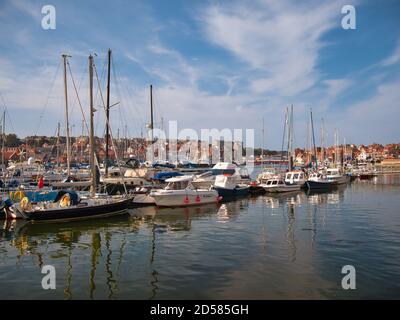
(3, 136)
(91, 139)
(262, 147)
(65, 57)
(322, 141)
(290, 140)
(151, 113)
(151, 121)
(108, 111)
(313, 137)
(58, 145)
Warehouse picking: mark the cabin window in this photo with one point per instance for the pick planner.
(269, 183)
(296, 176)
(289, 176)
(280, 182)
(274, 183)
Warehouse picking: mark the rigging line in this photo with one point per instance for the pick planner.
(117, 87)
(7, 113)
(77, 96)
(47, 99)
(110, 130)
(131, 94)
(79, 87)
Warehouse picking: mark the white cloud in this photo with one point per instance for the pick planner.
(279, 40)
(394, 58)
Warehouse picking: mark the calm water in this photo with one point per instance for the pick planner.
(290, 246)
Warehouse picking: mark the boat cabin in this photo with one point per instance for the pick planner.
(179, 183)
(297, 177)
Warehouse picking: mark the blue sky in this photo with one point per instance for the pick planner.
(222, 64)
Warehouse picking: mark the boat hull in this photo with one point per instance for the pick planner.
(321, 185)
(281, 189)
(78, 213)
(232, 193)
(164, 199)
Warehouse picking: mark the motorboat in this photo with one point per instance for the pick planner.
(266, 174)
(230, 186)
(207, 179)
(296, 177)
(180, 191)
(320, 182)
(280, 185)
(335, 174)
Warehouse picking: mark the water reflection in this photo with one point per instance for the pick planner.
(158, 253)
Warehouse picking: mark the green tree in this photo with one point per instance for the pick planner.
(12, 140)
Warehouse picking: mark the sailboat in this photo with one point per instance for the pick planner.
(70, 206)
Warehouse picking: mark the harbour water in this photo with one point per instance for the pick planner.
(289, 246)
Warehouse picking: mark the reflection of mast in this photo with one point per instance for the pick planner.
(67, 290)
(110, 279)
(154, 273)
(290, 233)
(96, 250)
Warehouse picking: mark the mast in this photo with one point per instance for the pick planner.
(262, 147)
(65, 56)
(151, 113)
(151, 121)
(3, 136)
(290, 140)
(322, 141)
(91, 139)
(313, 137)
(58, 145)
(108, 111)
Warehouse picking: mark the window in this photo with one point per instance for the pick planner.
(296, 176)
(274, 183)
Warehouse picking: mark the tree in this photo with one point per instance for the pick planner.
(11, 140)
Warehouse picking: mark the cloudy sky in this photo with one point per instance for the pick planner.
(213, 64)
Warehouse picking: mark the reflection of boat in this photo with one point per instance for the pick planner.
(318, 181)
(230, 186)
(279, 185)
(180, 192)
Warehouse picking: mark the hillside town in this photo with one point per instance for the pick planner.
(52, 150)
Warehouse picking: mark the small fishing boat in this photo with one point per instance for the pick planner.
(279, 185)
(296, 177)
(320, 182)
(181, 192)
(229, 186)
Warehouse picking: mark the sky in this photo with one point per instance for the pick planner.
(213, 64)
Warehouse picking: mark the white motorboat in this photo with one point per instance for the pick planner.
(207, 179)
(296, 177)
(266, 174)
(335, 174)
(230, 186)
(181, 192)
(318, 181)
(279, 185)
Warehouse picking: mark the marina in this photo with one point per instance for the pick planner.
(216, 152)
(264, 247)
